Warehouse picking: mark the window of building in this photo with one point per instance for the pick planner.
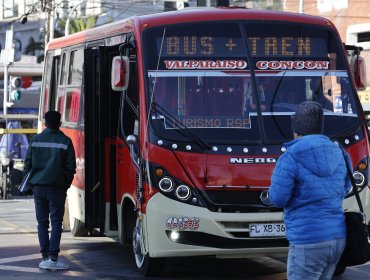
(363, 37)
(10, 8)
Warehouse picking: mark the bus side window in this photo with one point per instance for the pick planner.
(61, 86)
(50, 82)
(73, 87)
(47, 83)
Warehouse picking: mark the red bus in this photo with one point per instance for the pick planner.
(178, 119)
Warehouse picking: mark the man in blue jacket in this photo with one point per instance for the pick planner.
(51, 161)
(310, 181)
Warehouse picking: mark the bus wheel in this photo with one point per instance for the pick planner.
(77, 227)
(148, 266)
(128, 223)
(339, 270)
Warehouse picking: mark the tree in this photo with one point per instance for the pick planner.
(79, 24)
(76, 25)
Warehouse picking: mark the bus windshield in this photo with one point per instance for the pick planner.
(240, 82)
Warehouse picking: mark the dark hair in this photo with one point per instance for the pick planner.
(52, 119)
(308, 118)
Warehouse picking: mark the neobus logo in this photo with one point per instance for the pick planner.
(252, 160)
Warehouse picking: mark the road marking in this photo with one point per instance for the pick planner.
(20, 258)
(19, 229)
(76, 262)
(39, 270)
(67, 254)
(9, 224)
(20, 268)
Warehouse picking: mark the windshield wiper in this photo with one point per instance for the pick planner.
(182, 129)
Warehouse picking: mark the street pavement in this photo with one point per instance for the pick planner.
(100, 257)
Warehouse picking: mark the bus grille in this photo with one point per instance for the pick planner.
(235, 201)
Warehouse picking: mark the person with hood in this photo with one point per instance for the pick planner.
(310, 182)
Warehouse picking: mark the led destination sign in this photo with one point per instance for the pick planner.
(241, 64)
(216, 46)
(205, 64)
(222, 53)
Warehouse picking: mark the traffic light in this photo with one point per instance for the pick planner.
(15, 88)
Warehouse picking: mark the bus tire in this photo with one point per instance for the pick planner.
(339, 270)
(76, 226)
(128, 222)
(147, 265)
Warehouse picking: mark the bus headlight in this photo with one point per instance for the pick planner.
(166, 184)
(183, 192)
(359, 178)
(172, 187)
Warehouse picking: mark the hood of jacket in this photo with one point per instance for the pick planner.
(317, 153)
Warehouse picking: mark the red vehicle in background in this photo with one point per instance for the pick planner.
(178, 120)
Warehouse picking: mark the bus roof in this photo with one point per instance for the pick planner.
(184, 15)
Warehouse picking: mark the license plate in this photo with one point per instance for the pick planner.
(261, 230)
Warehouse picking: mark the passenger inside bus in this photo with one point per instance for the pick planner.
(318, 93)
(346, 104)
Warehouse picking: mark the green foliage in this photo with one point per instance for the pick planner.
(79, 24)
(76, 25)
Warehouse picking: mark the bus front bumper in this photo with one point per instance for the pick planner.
(177, 229)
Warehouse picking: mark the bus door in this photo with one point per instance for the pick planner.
(94, 194)
(102, 108)
(109, 108)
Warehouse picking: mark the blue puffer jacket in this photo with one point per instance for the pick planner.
(310, 181)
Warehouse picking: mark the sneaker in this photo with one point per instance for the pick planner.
(43, 263)
(57, 265)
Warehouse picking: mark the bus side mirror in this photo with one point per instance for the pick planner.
(120, 73)
(358, 68)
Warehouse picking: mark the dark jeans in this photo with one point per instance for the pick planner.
(49, 201)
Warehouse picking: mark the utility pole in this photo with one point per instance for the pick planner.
(49, 11)
(52, 20)
(301, 6)
(70, 13)
(7, 58)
